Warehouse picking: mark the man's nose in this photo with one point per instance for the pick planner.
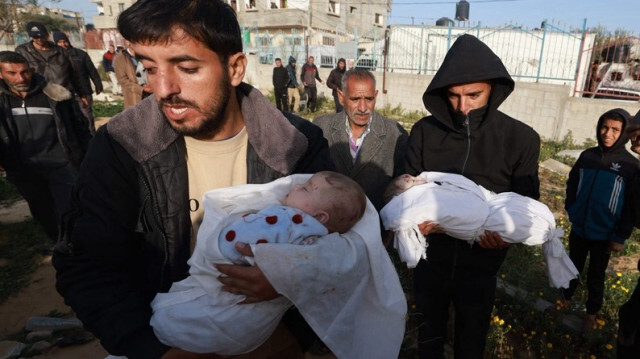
(164, 84)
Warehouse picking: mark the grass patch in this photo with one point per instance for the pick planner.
(8, 192)
(20, 246)
(107, 108)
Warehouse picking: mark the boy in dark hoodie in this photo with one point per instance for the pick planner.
(466, 134)
(599, 205)
(293, 88)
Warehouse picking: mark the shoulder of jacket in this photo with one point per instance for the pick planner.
(57, 92)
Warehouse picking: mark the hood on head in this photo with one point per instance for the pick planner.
(57, 36)
(344, 62)
(291, 59)
(468, 60)
(619, 114)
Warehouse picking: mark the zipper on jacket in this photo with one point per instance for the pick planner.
(468, 128)
(587, 203)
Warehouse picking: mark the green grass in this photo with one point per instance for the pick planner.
(107, 109)
(20, 247)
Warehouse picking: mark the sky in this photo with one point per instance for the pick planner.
(612, 14)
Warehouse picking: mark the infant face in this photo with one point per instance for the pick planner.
(310, 196)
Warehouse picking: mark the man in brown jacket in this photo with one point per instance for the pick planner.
(134, 87)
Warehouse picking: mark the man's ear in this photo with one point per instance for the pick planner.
(322, 217)
(340, 96)
(237, 64)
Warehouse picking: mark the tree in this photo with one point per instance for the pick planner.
(10, 19)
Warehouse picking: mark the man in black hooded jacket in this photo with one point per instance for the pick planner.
(466, 134)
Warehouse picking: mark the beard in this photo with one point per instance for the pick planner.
(212, 113)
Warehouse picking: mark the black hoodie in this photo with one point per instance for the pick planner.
(494, 150)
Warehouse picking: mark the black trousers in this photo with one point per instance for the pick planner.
(312, 97)
(47, 192)
(282, 99)
(629, 324)
(336, 100)
(472, 294)
(598, 251)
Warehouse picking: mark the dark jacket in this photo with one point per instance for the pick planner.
(380, 159)
(487, 146)
(599, 199)
(334, 81)
(291, 70)
(127, 237)
(56, 68)
(71, 130)
(309, 74)
(280, 77)
(85, 69)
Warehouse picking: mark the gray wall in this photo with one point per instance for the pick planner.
(549, 109)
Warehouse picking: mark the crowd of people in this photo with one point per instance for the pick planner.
(159, 216)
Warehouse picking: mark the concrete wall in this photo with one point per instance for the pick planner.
(548, 108)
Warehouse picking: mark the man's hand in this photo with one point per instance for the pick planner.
(615, 246)
(85, 102)
(247, 281)
(428, 227)
(176, 353)
(634, 135)
(492, 240)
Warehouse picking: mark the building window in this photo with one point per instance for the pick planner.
(327, 40)
(294, 41)
(352, 9)
(234, 5)
(334, 7)
(250, 4)
(326, 61)
(283, 4)
(120, 7)
(379, 20)
(110, 11)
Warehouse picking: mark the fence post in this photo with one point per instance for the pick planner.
(449, 25)
(356, 42)
(421, 54)
(544, 35)
(580, 54)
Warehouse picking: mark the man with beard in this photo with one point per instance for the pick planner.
(43, 138)
(137, 207)
(467, 134)
(364, 145)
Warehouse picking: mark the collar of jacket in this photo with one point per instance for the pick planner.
(53, 91)
(144, 131)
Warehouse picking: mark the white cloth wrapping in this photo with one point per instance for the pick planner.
(518, 219)
(455, 202)
(345, 286)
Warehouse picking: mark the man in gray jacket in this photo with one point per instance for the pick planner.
(363, 144)
(137, 206)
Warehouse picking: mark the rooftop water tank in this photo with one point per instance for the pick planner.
(462, 10)
(444, 21)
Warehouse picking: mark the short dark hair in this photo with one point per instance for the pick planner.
(278, 59)
(211, 22)
(11, 57)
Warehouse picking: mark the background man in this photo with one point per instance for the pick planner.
(43, 137)
(50, 60)
(293, 88)
(85, 70)
(364, 145)
(334, 82)
(107, 64)
(466, 134)
(126, 69)
(309, 75)
(136, 208)
(280, 80)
